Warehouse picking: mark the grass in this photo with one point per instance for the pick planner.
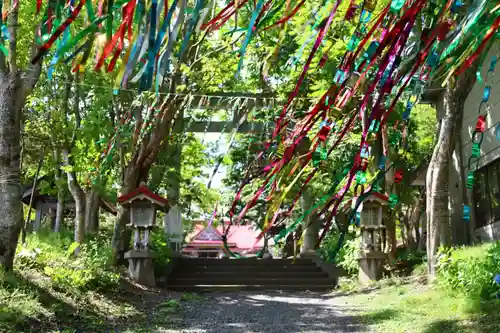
(52, 291)
(417, 308)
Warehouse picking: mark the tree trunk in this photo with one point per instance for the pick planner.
(312, 225)
(422, 241)
(61, 192)
(449, 109)
(121, 237)
(414, 224)
(390, 224)
(79, 198)
(11, 216)
(92, 199)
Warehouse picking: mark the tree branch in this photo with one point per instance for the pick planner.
(13, 20)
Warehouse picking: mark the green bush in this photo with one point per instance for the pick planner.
(161, 249)
(470, 270)
(53, 254)
(347, 258)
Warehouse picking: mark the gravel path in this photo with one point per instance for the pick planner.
(267, 312)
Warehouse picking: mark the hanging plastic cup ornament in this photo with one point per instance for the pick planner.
(493, 63)
(396, 6)
(316, 157)
(497, 131)
(398, 176)
(466, 213)
(486, 93)
(457, 5)
(470, 180)
(393, 200)
(361, 178)
(381, 162)
(481, 123)
(476, 150)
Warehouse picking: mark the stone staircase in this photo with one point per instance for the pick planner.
(249, 274)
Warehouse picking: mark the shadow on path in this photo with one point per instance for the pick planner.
(269, 312)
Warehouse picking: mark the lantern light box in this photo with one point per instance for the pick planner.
(143, 203)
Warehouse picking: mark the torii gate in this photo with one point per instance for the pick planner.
(173, 220)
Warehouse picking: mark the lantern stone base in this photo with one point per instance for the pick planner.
(371, 266)
(140, 267)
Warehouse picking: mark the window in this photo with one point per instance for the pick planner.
(487, 194)
(369, 215)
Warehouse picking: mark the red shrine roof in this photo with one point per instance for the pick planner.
(240, 237)
(143, 192)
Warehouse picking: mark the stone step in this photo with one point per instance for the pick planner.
(246, 280)
(245, 262)
(248, 268)
(233, 273)
(248, 287)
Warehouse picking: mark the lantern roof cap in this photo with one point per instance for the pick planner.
(377, 196)
(142, 193)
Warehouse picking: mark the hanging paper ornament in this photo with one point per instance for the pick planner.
(374, 126)
(466, 213)
(359, 189)
(280, 150)
(398, 176)
(351, 12)
(470, 180)
(364, 164)
(393, 200)
(372, 48)
(324, 131)
(481, 123)
(353, 43)
(365, 153)
(357, 218)
(407, 111)
(340, 77)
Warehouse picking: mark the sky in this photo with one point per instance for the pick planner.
(222, 149)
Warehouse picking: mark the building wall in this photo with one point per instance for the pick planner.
(490, 151)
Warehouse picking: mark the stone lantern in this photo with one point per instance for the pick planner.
(142, 204)
(371, 258)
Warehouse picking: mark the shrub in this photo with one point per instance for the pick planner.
(53, 254)
(470, 270)
(347, 258)
(160, 247)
